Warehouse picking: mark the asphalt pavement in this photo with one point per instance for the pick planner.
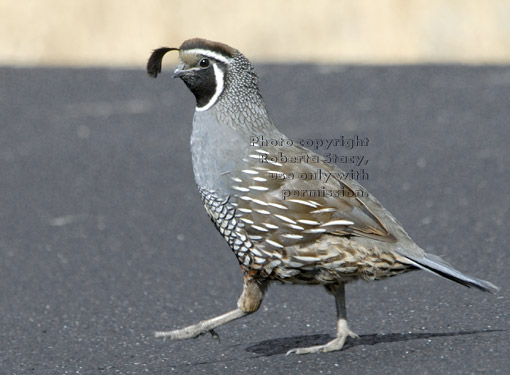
(103, 237)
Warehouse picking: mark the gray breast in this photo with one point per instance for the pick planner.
(218, 148)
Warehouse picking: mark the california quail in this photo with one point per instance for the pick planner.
(325, 230)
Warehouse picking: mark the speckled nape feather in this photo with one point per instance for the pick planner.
(321, 229)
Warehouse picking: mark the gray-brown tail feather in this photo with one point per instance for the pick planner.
(434, 264)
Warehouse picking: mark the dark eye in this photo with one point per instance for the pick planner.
(204, 63)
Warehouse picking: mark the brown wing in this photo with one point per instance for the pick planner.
(291, 196)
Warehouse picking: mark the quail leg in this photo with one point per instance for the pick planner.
(248, 303)
(202, 327)
(343, 331)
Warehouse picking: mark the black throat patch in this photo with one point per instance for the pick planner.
(202, 84)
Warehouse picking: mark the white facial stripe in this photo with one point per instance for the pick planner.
(218, 75)
(212, 54)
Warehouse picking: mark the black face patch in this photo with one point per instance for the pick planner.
(202, 84)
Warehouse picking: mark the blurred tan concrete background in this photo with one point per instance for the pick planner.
(123, 32)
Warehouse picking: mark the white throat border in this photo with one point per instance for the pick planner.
(218, 75)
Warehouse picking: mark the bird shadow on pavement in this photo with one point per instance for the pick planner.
(283, 345)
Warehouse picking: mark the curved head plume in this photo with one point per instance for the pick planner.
(212, 71)
(154, 63)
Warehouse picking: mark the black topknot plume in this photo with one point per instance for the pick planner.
(154, 63)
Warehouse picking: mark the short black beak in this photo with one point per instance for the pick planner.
(179, 71)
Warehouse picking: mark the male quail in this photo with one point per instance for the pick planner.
(293, 230)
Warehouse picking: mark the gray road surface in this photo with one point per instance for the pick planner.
(103, 238)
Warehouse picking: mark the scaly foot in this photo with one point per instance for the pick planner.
(331, 346)
(195, 330)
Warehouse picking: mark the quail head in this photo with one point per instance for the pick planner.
(326, 231)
